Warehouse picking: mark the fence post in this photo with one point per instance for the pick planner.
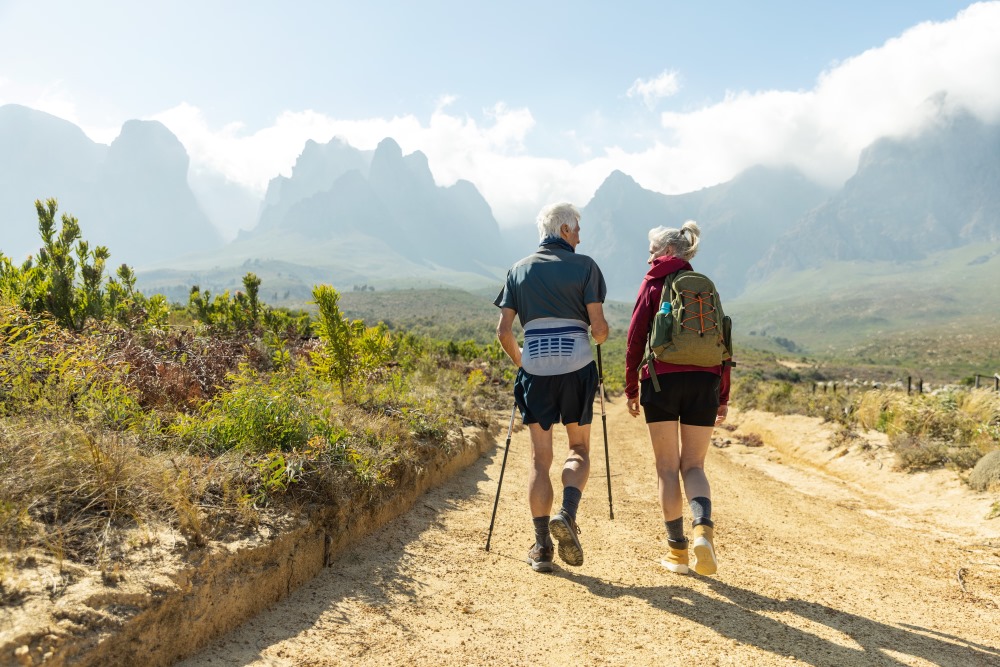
(977, 380)
(996, 382)
(920, 386)
(909, 384)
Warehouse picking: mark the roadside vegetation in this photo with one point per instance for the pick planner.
(859, 388)
(122, 415)
(953, 426)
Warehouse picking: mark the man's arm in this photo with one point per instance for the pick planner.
(505, 334)
(598, 325)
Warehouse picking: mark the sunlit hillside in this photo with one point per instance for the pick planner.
(940, 312)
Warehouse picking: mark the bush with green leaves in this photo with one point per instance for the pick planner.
(66, 280)
(43, 367)
(257, 414)
(351, 351)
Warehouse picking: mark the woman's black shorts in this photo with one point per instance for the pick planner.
(690, 396)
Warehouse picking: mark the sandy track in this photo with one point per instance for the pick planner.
(806, 577)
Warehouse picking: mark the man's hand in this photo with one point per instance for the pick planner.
(633, 406)
(598, 324)
(721, 415)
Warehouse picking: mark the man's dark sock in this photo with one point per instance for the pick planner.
(542, 536)
(571, 500)
(701, 510)
(675, 529)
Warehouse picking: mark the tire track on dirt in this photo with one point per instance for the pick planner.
(803, 580)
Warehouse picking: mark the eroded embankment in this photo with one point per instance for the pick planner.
(158, 617)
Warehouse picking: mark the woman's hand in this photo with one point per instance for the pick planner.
(633, 406)
(721, 415)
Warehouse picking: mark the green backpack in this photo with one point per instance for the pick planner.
(693, 330)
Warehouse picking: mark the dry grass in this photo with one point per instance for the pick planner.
(77, 493)
(953, 429)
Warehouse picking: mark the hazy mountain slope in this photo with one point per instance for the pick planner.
(349, 204)
(319, 166)
(132, 196)
(840, 304)
(909, 198)
(394, 200)
(231, 207)
(147, 212)
(739, 221)
(41, 156)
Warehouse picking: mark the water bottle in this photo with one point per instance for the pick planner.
(663, 324)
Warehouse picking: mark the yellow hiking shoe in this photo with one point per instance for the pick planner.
(704, 550)
(676, 559)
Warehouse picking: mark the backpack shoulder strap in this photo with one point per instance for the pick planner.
(668, 284)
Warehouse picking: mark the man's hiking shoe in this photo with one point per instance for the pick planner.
(565, 530)
(704, 550)
(540, 558)
(676, 559)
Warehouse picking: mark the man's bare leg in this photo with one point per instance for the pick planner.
(539, 483)
(575, 472)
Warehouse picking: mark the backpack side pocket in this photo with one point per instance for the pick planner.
(662, 330)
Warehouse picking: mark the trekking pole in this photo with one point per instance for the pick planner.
(604, 424)
(510, 428)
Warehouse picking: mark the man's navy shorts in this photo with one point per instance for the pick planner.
(692, 397)
(548, 399)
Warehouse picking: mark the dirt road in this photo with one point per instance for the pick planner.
(814, 569)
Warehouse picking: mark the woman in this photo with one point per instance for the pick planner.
(682, 415)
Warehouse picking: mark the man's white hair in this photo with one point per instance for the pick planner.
(554, 216)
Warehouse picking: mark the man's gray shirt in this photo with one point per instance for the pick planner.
(553, 282)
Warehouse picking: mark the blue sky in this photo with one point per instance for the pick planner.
(532, 102)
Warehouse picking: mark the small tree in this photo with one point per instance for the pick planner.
(67, 287)
(351, 349)
(129, 307)
(66, 280)
(226, 313)
(336, 332)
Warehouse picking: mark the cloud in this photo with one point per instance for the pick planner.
(896, 90)
(653, 90)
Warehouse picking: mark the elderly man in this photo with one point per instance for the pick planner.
(557, 295)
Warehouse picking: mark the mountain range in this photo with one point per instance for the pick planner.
(132, 196)
(377, 219)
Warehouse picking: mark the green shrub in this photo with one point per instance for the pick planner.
(254, 415)
(351, 351)
(43, 368)
(65, 280)
(117, 414)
